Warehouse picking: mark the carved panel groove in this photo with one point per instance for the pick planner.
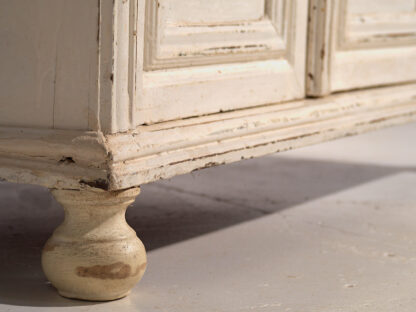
(175, 40)
(385, 23)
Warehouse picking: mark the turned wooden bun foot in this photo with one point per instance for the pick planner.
(94, 254)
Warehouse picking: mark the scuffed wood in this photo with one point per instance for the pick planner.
(94, 254)
(53, 158)
(71, 160)
(194, 70)
(192, 33)
(85, 148)
(115, 59)
(318, 48)
(79, 160)
(120, 63)
(355, 44)
(181, 134)
(163, 151)
(53, 175)
(183, 93)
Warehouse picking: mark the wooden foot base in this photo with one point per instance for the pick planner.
(94, 254)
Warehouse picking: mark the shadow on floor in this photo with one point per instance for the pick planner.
(192, 205)
(28, 215)
(167, 212)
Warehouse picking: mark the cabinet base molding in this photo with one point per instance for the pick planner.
(79, 160)
(94, 254)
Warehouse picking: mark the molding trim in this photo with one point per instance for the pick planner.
(75, 160)
(57, 159)
(354, 51)
(172, 45)
(319, 48)
(222, 84)
(118, 52)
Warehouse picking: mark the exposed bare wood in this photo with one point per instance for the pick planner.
(319, 45)
(191, 33)
(53, 158)
(94, 254)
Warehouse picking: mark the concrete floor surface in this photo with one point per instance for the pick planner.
(327, 228)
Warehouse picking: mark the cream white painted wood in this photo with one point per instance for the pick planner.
(48, 67)
(356, 44)
(80, 160)
(67, 64)
(100, 96)
(94, 254)
(197, 32)
(220, 58)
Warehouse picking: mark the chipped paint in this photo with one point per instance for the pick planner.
(118, 270)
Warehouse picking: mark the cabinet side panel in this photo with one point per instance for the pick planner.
(48, 71)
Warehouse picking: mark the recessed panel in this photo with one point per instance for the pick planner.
(377, 22)
(213, 12)
(380, 6)
(183, 33)
(361, 44)
(203, 57)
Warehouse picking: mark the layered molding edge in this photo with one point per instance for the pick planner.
(60, 159)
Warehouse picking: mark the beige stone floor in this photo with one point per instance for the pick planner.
(325, 228)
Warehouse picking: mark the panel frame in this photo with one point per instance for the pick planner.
(378, 30)
(174, 93)
(62, 159)
(240, 44)
(333, 57)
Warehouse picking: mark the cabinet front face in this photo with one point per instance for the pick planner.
(362, 44)
(202, 57)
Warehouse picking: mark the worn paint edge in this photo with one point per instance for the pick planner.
(75, 159)
(58, 159)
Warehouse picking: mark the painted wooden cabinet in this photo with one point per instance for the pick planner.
(98, 97)
(360, 44)
(203, 57)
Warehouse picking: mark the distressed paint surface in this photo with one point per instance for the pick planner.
(125, 152)
(358, 44)
(210, 68)
(96, 255)
(150, 92)
(192, 33)
(113, 162)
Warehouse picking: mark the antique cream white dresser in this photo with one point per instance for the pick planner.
(98, 97)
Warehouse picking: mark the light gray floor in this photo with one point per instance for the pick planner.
(324, 228)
